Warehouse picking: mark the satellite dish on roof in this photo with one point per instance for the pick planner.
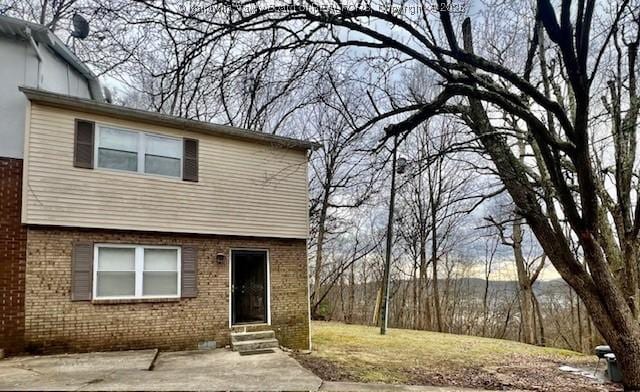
(80, 27)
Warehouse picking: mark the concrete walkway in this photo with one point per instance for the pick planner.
(69, 372)
(217, 370)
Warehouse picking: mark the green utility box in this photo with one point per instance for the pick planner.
(613, 370)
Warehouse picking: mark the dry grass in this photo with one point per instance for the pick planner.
(359, 353)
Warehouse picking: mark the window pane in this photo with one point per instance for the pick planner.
(121, 160)
(162, 146)
(118, 139)
(160, 259)
(116, 259)
(116, 284)
(162, 165)
(160, 283)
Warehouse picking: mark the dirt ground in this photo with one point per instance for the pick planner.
(525, 375)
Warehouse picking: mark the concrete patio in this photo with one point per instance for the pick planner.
(128, 370)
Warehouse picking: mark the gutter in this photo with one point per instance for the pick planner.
(33, 44)
(123, 112)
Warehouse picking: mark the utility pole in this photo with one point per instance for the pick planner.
(384, 313)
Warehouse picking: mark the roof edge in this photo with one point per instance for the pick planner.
(86, 105)
(42, 34)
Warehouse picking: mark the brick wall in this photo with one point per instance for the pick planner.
(55, 324)
(12, 256)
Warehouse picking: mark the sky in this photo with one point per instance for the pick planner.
(505, 270)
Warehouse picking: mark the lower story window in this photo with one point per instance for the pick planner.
(131, 271)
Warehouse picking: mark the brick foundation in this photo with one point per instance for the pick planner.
(13, 239)
(55, 324)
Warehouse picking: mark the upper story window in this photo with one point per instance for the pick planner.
(162, 155)
(118, 149)
(137, 151)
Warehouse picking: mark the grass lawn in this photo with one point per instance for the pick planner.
(344, 352)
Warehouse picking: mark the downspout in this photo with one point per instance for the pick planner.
(34, 45)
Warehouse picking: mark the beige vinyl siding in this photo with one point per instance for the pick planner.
(245, 188)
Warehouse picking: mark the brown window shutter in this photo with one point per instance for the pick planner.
(83, 146)
(189, 284)
(190, 160)
(82, 271)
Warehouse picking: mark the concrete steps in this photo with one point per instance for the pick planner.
(253, 341)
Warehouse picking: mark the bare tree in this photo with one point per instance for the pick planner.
(45, 12)
(435, 197)
(559, 187)
(341, 175)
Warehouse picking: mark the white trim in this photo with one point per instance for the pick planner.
(25, 162)
(308, 300)
(139, 270)
(230, 291)
(139, 267)
(140, 150)
(231, 250)
(268, 289)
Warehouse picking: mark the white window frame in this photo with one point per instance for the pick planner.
(139, 271)
(141, 150)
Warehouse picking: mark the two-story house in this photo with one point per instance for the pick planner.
(146, 230)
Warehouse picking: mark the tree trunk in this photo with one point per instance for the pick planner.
(376, 309)
(319, 248)
(525, 291)
(416, 304)
(485, 308)
(628, 359)
(352, 293)
(524, 281)
(536, 305)
(425, 311)
(365, 299)
(43, 12)
(400, 315)
(427, 318)
(436, 296)
(580, 331)
(631, 283)
(434, 255)
(625, 343)
(343, 308)
(614, 319)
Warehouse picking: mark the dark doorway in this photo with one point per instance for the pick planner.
(248, 286)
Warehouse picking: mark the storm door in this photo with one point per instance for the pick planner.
(248, 286)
